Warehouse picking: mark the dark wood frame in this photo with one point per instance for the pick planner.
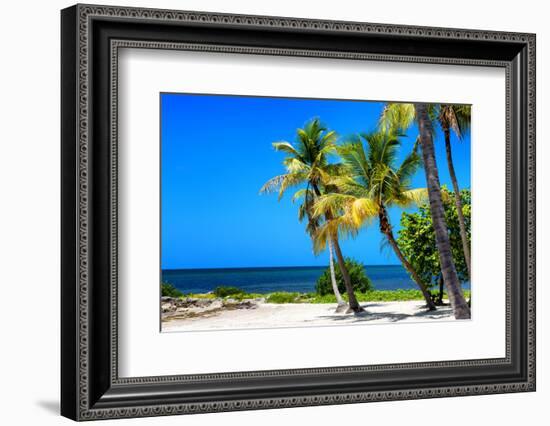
(90, 386)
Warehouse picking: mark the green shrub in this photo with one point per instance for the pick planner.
(283, 297)
(169, 290)
(208, 296)
(359, 279)
(416, 238)
(242, 296)
(400, 295)
(224, 291)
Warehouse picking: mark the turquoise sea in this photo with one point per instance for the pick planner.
(266, 280)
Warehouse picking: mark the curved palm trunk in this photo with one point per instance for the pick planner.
(458, 201)
(386, 229)
(339, 300)
(353, 304)
(456, 297)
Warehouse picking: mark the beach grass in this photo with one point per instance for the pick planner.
(282, 297)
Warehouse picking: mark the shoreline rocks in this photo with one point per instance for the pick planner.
(173, 308)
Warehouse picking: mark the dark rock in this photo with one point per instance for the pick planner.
(246, 304)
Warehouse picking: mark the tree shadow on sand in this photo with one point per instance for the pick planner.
(367, 316)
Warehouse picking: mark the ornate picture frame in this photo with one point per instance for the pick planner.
(90, 39)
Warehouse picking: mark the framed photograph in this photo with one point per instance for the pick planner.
(263, 212)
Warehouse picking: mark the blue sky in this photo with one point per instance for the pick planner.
(216, 153)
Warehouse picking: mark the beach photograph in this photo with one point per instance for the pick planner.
(298, 212)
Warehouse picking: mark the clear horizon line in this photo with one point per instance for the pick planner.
(269, 267)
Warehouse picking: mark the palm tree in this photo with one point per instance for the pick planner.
(313, 224)
(337, 223)
(373, 184)
(307, 163)
(398, 117)
(456, 118)
(450, 277)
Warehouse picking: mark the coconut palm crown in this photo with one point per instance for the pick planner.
(375, 180)
(456, 118)
(399, 116)
(307, 163)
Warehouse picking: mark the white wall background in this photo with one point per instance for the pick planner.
(29, 213)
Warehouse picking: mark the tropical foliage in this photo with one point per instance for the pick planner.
(456, 118)
(283, 297)
(307, 163)
(374, 181)
(346, 185)
(417, 241)
(399, 117)
(359, 279)
(224, 291)
(286, 297)
(169, 290)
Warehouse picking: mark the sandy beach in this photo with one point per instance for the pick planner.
(268, 315)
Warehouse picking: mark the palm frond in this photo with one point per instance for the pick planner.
(382, 146)
(323, 234)
(363, 210)
(389, 144)
(355, 158)
(272, 185)
(302, 212)
(455, 117)
(331, 204)
(291, 180)
(322, 176)
(301, 193)
(281, 183)
(347, 185)
(346, 227)
(396, 117)
(295, 165)
(323, 152)
(336, 170)
(454, 123)
(340, 227)
(463, 116)
(286, 147)
(384, 179)
(412, 197)
(329, 138)
(409, 166)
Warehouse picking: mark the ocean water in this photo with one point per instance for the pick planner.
(267, 280)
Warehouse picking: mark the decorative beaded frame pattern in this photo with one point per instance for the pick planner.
(86, 13)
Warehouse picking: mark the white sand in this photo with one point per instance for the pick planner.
(268, 315)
